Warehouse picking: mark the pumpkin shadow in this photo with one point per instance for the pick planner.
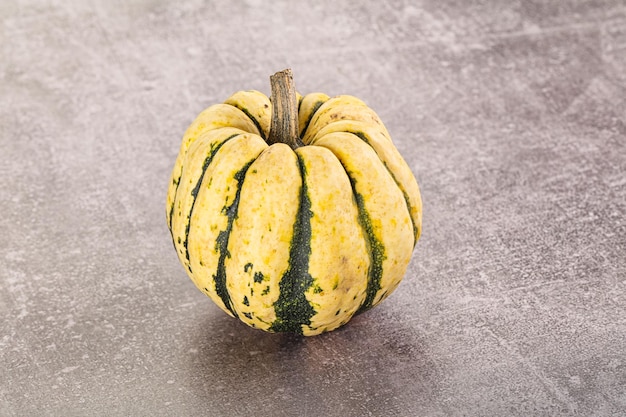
(358, 369)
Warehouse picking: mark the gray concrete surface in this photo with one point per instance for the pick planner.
(511, 114)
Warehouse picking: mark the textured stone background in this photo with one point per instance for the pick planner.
(511, 114)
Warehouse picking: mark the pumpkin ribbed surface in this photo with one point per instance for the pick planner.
(293, 240)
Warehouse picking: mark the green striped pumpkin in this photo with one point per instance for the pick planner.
(293, 238)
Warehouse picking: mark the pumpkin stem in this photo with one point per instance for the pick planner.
(284, 126)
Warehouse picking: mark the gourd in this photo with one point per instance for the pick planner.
(292, 214)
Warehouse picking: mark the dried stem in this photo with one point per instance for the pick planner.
(284, 126)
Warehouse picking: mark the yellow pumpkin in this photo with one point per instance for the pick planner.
(296, 216)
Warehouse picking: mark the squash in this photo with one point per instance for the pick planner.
(296, 216)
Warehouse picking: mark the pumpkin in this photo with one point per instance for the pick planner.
(293, 213)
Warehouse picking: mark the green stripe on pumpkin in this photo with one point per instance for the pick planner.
(215, 147)
(316, 107)
(376, 251)
(176, 183)
(365, 138)
(252, 118)
(292, 308)
(221, 243)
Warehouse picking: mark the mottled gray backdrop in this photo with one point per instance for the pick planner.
(512, 115)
